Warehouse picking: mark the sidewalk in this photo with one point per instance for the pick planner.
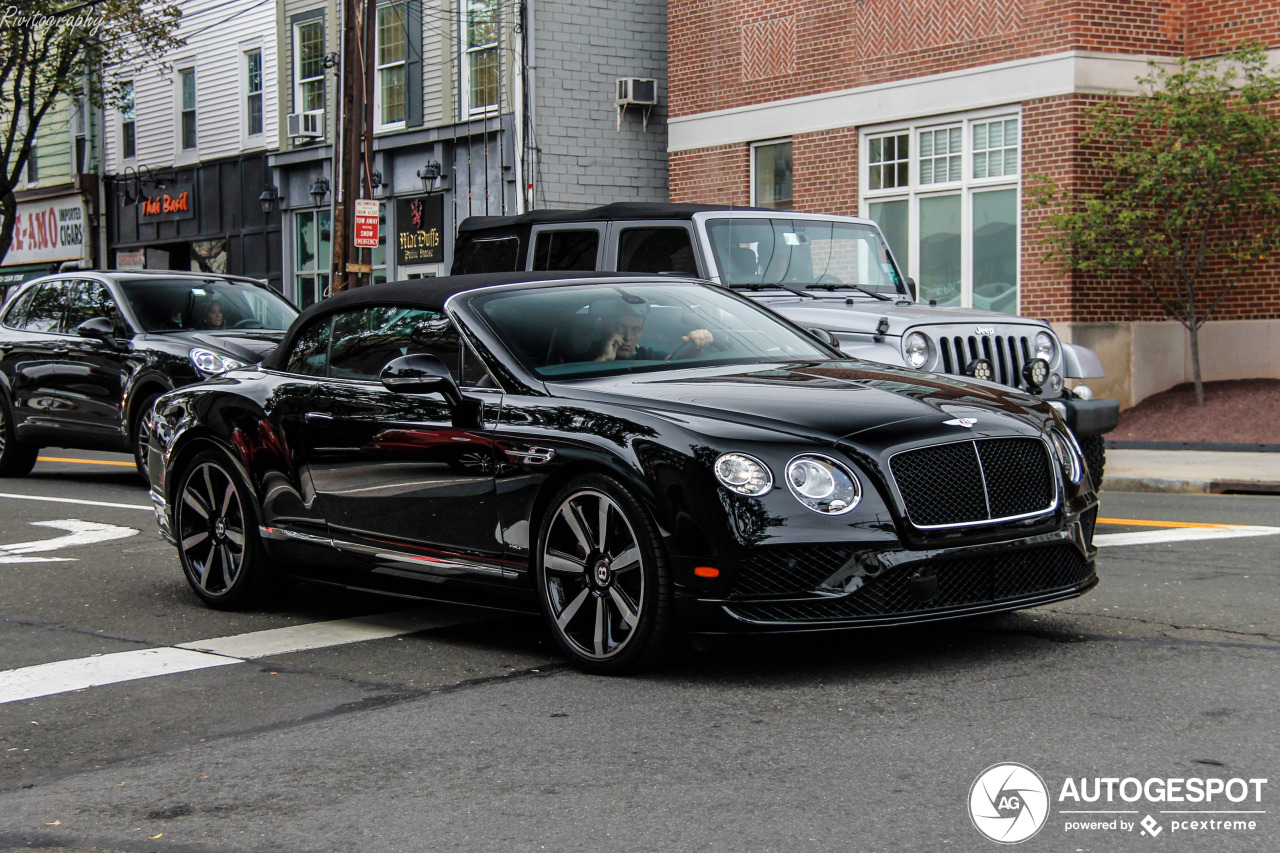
(1191, 471)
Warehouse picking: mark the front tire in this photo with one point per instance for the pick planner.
(1094, 448)
(216, 524)
(602, 578)
(139, 436)
(16, 460)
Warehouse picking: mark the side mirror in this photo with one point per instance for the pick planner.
(99, 329)
(420, 374)
(911, 288)
(826, 337)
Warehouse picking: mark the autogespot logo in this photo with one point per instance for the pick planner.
(1008, 803)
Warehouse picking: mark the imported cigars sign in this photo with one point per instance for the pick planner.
(419, 229)
(52, 230)
(162, 205)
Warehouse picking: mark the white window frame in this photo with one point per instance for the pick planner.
(299, 102)
(966, 187)
(380, 68)
(183, 154)
(131, 119)
(469, 110)
(248, 139)
(752, 167)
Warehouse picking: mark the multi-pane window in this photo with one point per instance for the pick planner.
(771, 170)
(309, 70)
(312, 255)
(393, 50)
(947, 198)
(253, 89)
(128, 139)
(480, 33)
(187, 86)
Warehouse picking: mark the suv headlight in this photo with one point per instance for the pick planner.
(823, 484)
(211, 363)
(1044, 346)
(744, 475)
(915, 349)
(1068, 453)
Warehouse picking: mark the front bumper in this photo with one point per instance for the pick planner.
(1092, 417)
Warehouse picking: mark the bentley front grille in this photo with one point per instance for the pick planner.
(975, 482)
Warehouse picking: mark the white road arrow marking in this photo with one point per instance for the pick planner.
(78, 533)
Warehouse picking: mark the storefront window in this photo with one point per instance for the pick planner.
(312, 256)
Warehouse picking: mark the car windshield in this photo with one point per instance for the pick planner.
(607, 329)
(754, 252)
(175, 305)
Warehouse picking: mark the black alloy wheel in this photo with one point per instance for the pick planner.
(217, 531)
(602, 579)
(140, 435)
(16, 460)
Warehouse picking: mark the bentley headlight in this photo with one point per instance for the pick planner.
(211, 363)
(1064, 447)
(916, 350)
(744, 474)
(1044, 346)
(823, 484)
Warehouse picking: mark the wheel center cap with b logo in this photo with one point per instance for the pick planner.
(220, 528)
(602, 573)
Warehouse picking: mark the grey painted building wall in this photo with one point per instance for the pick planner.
(579, 49)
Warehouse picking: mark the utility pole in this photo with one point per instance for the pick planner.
(355, 146)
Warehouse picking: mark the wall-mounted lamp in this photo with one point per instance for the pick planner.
(331, 60)
(268, 199)
(319, 190)
(376, 183)
(135, 178)
(430, 173)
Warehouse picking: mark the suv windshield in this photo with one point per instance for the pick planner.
(806, 253)
(600, 330)
(175, 305)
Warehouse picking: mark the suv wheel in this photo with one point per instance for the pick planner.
(16, 460)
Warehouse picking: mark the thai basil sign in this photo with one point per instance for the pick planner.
(48, 230)
(170, 203)
(419, 230)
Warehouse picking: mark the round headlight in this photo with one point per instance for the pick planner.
(916, 350)
(744, 474)
(1064, 447)
(1035, 373)
(823, 484)
(1044, 346)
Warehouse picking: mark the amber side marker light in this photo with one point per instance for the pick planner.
(706, 572)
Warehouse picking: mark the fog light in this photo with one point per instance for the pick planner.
(981, 368)
(1035, 373)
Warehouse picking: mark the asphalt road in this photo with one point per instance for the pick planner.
(473, 734)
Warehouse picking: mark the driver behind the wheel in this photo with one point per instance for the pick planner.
(623, 326)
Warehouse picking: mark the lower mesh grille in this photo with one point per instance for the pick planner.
(786, 570)
(959, 583)
(1088, 521)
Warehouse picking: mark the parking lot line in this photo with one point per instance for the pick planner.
(1146, 522)
(1182, 534)
(85, 461)
(80, 501)
(48, 679)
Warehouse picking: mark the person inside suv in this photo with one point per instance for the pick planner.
(213, 317)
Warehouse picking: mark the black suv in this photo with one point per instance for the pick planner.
(83, 355)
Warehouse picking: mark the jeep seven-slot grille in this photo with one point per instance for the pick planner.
(974, 481)
(1007, 354)
(973, 581)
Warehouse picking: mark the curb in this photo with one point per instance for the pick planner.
(1113, 444)
(1122, 483)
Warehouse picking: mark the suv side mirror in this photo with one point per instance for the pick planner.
(826, 337)
(420, 374)
(911, 288)
(99, 329)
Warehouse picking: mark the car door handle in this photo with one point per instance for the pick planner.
(317, 417)
(60, 349)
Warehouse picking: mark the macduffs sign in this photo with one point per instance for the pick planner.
(419, 226)
(172, 202)
(48, 230)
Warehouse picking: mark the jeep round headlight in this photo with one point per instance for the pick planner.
(1044, 346)
(744, 474)
(823, 484)
(1064, 447)
(211, 363)
(916, 350)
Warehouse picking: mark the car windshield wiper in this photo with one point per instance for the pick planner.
(772, 284)
(832, 287)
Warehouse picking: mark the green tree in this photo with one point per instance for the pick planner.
(1187, 204)
(55, 48)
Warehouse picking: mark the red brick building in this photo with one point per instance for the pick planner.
(930, 116)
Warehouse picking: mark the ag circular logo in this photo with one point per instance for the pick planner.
(1008, 803)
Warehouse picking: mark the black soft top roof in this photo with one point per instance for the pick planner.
(427, 293)
(617, 210)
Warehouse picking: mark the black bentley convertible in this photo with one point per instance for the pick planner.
(633, 455)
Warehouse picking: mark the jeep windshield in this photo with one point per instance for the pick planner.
(807, 254)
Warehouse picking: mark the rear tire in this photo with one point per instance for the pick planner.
(603, 583)
(16, 460)
(216, 525)
(1094, 448)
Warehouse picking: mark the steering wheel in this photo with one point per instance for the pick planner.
(828, 278)
(688, 345)
(249, 323)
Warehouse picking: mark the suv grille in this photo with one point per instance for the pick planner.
(959, 583)
(1008, 353)
(974, 481)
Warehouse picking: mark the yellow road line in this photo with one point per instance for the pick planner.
(1139, 522)
(85, 461)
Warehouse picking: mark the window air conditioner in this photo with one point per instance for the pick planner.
(637, 90)
(308, 125)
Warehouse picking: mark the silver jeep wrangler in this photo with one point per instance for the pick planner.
(834, 275)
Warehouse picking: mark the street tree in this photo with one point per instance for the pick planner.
(1187, 204)
(51, 49)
